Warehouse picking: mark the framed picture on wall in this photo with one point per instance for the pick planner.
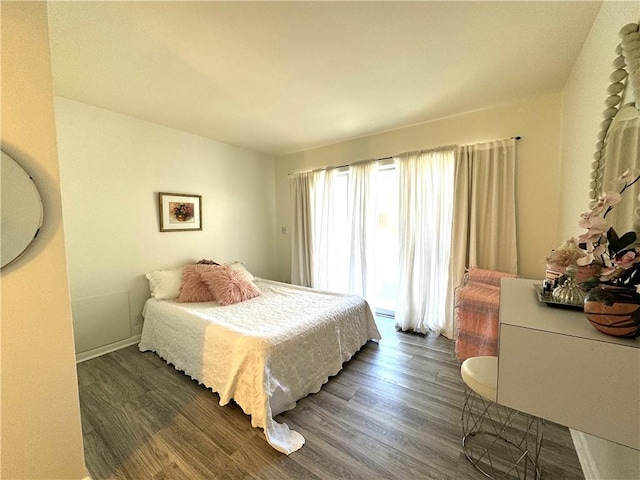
(180, 212)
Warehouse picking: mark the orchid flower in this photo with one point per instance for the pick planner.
(628, 258)
(590, 221)
(629, 177)
(601, 245)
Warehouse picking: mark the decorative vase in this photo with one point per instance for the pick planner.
(569, 293)
(181, 218)
(614, 310)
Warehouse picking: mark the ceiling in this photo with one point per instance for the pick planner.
(281, 77)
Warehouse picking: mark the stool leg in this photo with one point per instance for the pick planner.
(494, 444)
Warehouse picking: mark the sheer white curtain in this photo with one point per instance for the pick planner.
(484, 215)
(333, 226)
(426, 203)
(361, 222)
(325, 246)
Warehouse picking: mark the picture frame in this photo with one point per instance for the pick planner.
(180, 212)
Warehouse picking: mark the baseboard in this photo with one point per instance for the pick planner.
(112, 347)
(601, 458)
(589, 467)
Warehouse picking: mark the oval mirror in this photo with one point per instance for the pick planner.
(21, 211)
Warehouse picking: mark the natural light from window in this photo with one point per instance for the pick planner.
(385, 238)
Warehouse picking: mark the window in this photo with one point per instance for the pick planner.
(386, 240)
(384, 271)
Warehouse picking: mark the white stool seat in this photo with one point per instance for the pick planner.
(481, 375)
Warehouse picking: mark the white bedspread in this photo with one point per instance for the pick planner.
(264, 353)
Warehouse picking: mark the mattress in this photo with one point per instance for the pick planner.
(265, 353)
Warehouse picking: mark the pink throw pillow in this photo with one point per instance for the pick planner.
(228, 286)
(193, 289)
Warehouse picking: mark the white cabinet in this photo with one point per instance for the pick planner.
(553, 364)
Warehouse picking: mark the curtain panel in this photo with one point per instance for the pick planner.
(332, 230)
(301, 228)
(315, 251)
(484, 214)
(323, 204)
(426, 205)
(457, 210)
(361, 221)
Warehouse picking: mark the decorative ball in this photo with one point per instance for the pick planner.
(618, 75)
(618, 62)
(612, 100)
(614, 310)
(615, 88)
(627, 29)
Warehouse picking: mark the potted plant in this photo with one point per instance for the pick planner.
(612, 303)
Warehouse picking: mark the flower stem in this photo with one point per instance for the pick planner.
(626, 185)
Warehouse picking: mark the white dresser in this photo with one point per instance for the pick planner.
(553, 364)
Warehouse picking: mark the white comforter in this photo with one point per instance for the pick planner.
(264, 353)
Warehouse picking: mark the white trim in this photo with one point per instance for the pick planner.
(589, 467)
(600, 458)
(112, 347)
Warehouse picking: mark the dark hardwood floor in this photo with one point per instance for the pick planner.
(393, 412)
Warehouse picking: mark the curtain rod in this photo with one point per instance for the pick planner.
(517, 137)
(359, 162)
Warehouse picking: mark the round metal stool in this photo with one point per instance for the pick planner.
(500, 442)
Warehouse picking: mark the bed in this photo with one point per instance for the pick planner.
(264, 353)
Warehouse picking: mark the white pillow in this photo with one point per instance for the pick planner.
(240, 268)
(165, 284)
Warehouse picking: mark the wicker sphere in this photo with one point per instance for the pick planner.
(614, 310)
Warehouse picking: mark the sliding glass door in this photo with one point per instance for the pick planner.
(383, 238)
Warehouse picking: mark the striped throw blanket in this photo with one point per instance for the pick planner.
(477, 313)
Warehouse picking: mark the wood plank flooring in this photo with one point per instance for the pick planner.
(393, 412)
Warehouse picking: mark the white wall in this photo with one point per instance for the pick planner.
(112, 168)
(537, 120)
(582, 104)
(40, 413)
